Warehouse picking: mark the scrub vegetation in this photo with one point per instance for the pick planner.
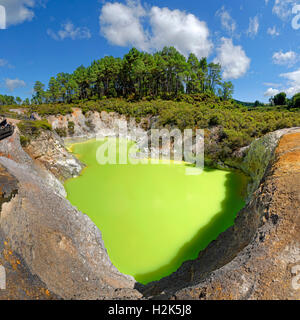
(236, 125)
(29, 129)
(181, 92)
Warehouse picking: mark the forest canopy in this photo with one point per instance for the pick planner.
(6, 100)
(164, 74)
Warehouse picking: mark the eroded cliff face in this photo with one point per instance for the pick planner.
(260, 155)
(41, 234)
(89, 125)
(49, 151)
(52, 240)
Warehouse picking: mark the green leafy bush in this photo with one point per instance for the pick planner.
(24, 141)
(71, 127)
(238, 125)
(30, 128)
(62, 132)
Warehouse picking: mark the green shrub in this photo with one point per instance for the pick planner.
(71, 127)
(51, 109)
(237, 125)
(296, 100)
(33, 128)
(62, 132)
(90, 124)
(24, 141)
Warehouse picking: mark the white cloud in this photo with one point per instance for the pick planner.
(292, 87)
(18, 11)
(70, 31)
(253, 27)
(273, 32)
(122, 25)
(283, 8)
(294, 82)
(12, 84)
(233, 59)
(271, 84)
(271, 92)
(227, 21)
(288, 58)
(3, 62)
(183, 31)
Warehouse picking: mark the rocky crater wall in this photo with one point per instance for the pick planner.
(60, 253)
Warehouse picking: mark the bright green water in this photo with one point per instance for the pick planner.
(153, 217)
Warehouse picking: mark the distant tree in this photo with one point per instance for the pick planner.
(7, 100)
(39, 92)
(18, 100)
(227, 90)
(26, 102)
(202, 74)
(280, 99)
(166, 73)
(296, 100)
(214, 76)
(192, 81)
(54, 90)
(257, 103)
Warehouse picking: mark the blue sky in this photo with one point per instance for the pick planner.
(257, 41)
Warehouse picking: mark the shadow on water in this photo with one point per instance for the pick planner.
(231, 205)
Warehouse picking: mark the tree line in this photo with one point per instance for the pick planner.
(137, 75)
(281, 99)
(6, 100)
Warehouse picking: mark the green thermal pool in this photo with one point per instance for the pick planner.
(154, 217)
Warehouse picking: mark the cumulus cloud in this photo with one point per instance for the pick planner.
(294, 82)
(12, 84)
(273, 32)
(271, 92)
(253, 27)
(283, 8)
(292, 87)
(288, 58)
(183, 31)
(123, 25)
(70, 31)
(227, 21)
(19, 11)
(233, 59)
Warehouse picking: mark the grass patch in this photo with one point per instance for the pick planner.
(30, 128)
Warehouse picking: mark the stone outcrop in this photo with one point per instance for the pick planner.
(59, 245)
(89, 125)
(49, 150)
(52, 251)
(21, 284)
(260, 154)
(8, 186)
